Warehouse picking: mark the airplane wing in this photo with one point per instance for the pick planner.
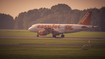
(51, 30)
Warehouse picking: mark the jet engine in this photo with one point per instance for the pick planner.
(42, 32)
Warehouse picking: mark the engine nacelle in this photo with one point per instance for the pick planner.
(42, 32)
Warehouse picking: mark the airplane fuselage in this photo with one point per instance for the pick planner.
(61, 28)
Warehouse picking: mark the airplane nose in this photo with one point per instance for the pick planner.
(29, 29)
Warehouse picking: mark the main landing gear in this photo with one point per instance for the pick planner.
(61, 35)
(54, 35)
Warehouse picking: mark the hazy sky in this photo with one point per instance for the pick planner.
(14, 7)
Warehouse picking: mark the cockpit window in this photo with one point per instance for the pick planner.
(33, 25)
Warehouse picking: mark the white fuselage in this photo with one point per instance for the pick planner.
(61, 28)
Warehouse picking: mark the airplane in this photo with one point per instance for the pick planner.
(57, 29)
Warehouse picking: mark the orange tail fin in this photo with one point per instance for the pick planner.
(86, 19)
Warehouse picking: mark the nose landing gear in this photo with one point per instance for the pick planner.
(37, 35)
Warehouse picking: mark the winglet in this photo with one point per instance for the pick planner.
(86, 19)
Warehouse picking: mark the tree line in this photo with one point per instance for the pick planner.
(6, 22)
(60, 14)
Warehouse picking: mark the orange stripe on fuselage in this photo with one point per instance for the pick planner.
(49, 26)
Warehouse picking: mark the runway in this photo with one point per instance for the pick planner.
(39, 45)
(70, 38)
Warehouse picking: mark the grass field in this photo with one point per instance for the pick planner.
(51, 52)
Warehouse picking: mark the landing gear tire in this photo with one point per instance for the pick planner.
(37, 35)
(62, 36)
(54, 35)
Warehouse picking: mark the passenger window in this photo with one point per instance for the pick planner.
(67, 26)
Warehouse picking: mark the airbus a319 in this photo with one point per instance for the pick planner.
(57, 29)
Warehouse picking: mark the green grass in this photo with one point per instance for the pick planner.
(50, 52)
(16, 33)
(27, 33)
(87, 34)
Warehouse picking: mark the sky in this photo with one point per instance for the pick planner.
(14, 7)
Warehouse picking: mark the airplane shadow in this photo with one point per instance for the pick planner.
(52, 37)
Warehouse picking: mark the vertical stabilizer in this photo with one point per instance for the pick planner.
(86, 19)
